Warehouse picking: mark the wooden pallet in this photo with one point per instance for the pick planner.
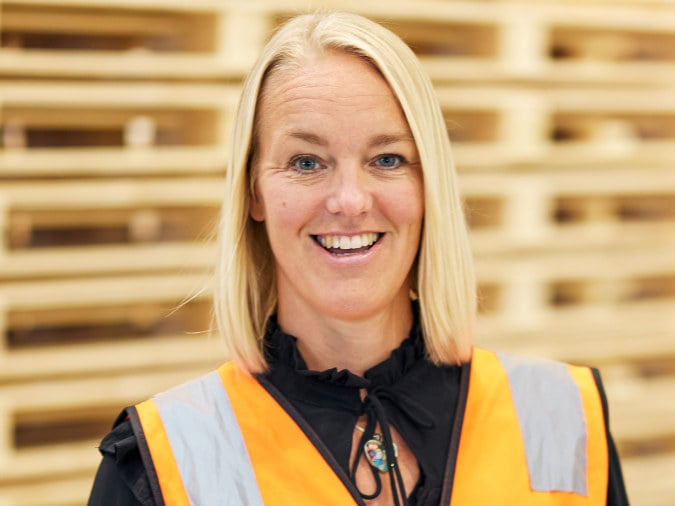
(56, 313)
(74, 352)
(145, 39)
(70, 129)
(502, 127)
(462, 40)
(524, 290)
(202, 40)
(132, 225)
(570, 209)
(135, 127)
(563, 121)
(43, 426)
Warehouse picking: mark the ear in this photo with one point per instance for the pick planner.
(257, 210)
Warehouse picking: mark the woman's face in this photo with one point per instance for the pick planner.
(339, 187)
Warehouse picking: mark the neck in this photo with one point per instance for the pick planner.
(356, 345)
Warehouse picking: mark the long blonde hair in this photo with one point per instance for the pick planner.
(245, 292)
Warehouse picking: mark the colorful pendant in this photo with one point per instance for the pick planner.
(376, 453)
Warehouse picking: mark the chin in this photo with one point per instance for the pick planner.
(359, 308)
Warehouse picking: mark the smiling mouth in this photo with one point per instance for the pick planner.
(347, 244)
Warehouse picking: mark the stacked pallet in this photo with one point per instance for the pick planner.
(112, 174)
(114, 122)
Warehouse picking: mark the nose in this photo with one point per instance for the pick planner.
(349, 192)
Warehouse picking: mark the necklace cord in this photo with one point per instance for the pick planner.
(376, 413)
(366, 434)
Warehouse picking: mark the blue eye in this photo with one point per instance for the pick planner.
(389, 161)
(305, 163)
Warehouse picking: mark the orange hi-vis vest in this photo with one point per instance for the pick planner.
(532, 434)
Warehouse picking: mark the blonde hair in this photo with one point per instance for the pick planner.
(245, 292)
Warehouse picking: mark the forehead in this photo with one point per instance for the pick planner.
(331, 86)
(340, 78)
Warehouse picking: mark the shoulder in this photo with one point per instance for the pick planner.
(121, 478)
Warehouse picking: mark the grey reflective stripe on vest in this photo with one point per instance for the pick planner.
(551, 417)
(207, 444)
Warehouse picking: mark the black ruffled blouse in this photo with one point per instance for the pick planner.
(406, 391)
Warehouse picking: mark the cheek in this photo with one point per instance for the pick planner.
(408, 205)
(286, 210)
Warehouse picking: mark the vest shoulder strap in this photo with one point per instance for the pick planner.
(223, 439)
(196, 446)
(290, 469)
(533, 433)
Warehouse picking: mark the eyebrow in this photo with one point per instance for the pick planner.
(386, 139)
(308, 137)
(377, 141)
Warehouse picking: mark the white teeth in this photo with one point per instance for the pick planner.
(346, 242)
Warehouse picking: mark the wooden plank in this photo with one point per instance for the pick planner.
(71, 261)
(649, 479)
(99, 161)
(46, 294)
(107, 358)
(597, 334)
(493, 239)
(133, 64)
(638, 411)
(115, 193)
(90, 22)
(447, 70)
(69, 491)
(173, 5)
(72, 94)
(609, 264)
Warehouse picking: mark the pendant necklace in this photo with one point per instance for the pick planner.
(375, 452)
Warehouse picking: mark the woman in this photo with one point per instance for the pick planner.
(346, 299)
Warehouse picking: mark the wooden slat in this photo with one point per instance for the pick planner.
(649, 479)
(598, 333)
(451, 70)
(569, 237)
(72, 94)
(164, 352)
(89, 64)
(71, 491)
(635, 400)
(89, 22)
(34, 295)
(70, 261)
(610, 264)
(173, 5)
(112, 193)
(100, 161)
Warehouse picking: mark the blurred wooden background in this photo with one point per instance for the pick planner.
(114, 116)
